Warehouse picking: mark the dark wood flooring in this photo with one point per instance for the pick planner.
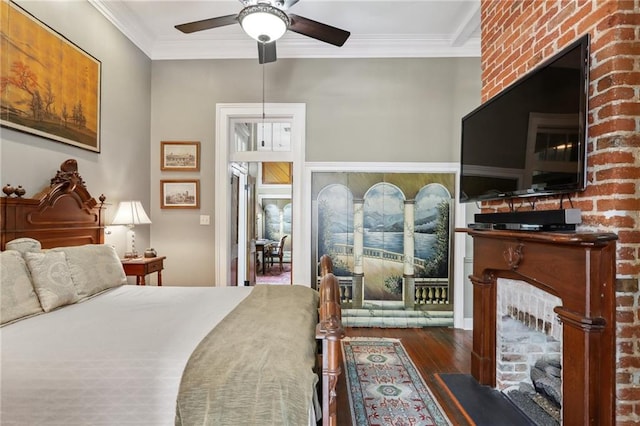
(433, 350)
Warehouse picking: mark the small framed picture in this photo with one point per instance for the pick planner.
(180, 194)
(180, 156)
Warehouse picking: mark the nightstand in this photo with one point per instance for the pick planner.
(143, 266)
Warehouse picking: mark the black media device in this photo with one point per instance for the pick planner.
(530, 139)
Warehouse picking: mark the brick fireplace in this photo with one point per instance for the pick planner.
(579, 269)
(527, 330)
(517, 35)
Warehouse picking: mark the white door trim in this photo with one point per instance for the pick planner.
(296, 112)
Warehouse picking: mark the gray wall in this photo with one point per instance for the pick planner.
(358, 110)
(121, 169)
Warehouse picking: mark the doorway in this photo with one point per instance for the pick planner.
(264, 229)
(248, 151)
(274, 222)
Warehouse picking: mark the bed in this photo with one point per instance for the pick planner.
(82, 347)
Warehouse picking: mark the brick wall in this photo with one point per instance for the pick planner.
(517, 35)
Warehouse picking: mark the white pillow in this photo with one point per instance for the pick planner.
(94, 268)
(51, 278)
(17, 297)
(24, 245)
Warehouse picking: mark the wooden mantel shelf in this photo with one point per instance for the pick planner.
(579, 268)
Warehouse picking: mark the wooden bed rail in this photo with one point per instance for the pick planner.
(330, 331)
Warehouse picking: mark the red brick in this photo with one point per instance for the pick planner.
(618, 173)
(629, 394)
(626, 253)
(629, 332)
(614, 94)
(604, 189)
(571, 22)
(616, 203)
(626, 48)
(618, 79)
(612, 126)
(625, 301)
(624, 378)
(630, 140)
(629, 237)
(619, 109)
(625, 317)
(611, 157)
(615, 64)
(628, 268)
(601, 13)
(607, 35)
(615, 221)
(623, 409)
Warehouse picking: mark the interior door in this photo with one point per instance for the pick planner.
(235, 211)
(250, 243)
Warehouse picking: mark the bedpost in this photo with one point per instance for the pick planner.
(330, 331)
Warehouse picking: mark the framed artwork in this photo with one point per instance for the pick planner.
(50, 87)
(180, 194)
(180, 156)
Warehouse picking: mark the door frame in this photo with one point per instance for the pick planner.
(225, 156)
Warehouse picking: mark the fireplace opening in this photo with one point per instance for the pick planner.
(529, 351)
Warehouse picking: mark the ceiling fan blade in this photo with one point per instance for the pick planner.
(207, 24)
(286, 4)
(267, 52)
(317, 30)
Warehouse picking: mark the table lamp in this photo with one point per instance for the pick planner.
(131, 213)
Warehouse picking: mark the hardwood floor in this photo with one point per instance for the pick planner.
(433, 350)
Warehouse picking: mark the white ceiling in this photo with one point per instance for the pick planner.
(379, 29)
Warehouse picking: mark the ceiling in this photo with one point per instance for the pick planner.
(379, 29)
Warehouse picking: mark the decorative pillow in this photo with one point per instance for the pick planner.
(94, 268)
(51, 278)
(18, 299)
(24, 245)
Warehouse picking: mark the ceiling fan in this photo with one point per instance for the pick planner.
(266, 21)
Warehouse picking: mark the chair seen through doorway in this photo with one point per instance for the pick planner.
(276, 252)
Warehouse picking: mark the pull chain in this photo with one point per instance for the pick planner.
(263, 114)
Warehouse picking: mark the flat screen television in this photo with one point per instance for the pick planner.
(530, 139)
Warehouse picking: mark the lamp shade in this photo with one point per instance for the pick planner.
(263, 22)
(131, 213)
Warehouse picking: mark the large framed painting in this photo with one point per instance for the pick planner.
(50, 86)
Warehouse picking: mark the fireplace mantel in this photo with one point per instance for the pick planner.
(579, 268)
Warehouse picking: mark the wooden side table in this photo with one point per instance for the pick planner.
(143, 266)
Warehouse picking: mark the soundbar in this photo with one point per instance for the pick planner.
(534, 217)
(522, 227)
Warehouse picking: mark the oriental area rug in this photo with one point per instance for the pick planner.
(385, 387)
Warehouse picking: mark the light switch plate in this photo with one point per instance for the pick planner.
(205, 219)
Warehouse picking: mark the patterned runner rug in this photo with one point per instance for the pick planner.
(385, 387)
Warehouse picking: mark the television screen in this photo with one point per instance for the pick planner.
(530, 139)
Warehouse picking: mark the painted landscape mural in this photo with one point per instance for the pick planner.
(277, 222)
(402, 220)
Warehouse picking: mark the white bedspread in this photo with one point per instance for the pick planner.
(116, 359)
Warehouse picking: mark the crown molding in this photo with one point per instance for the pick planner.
(209, 46)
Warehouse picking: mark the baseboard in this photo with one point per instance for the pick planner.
(468, 324)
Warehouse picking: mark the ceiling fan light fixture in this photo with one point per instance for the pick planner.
(263, 22)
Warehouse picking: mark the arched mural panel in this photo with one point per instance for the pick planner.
(335, 227)
(388, 233)
(432, 232)
(383, 242)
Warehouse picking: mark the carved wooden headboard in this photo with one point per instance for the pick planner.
(63, 214)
